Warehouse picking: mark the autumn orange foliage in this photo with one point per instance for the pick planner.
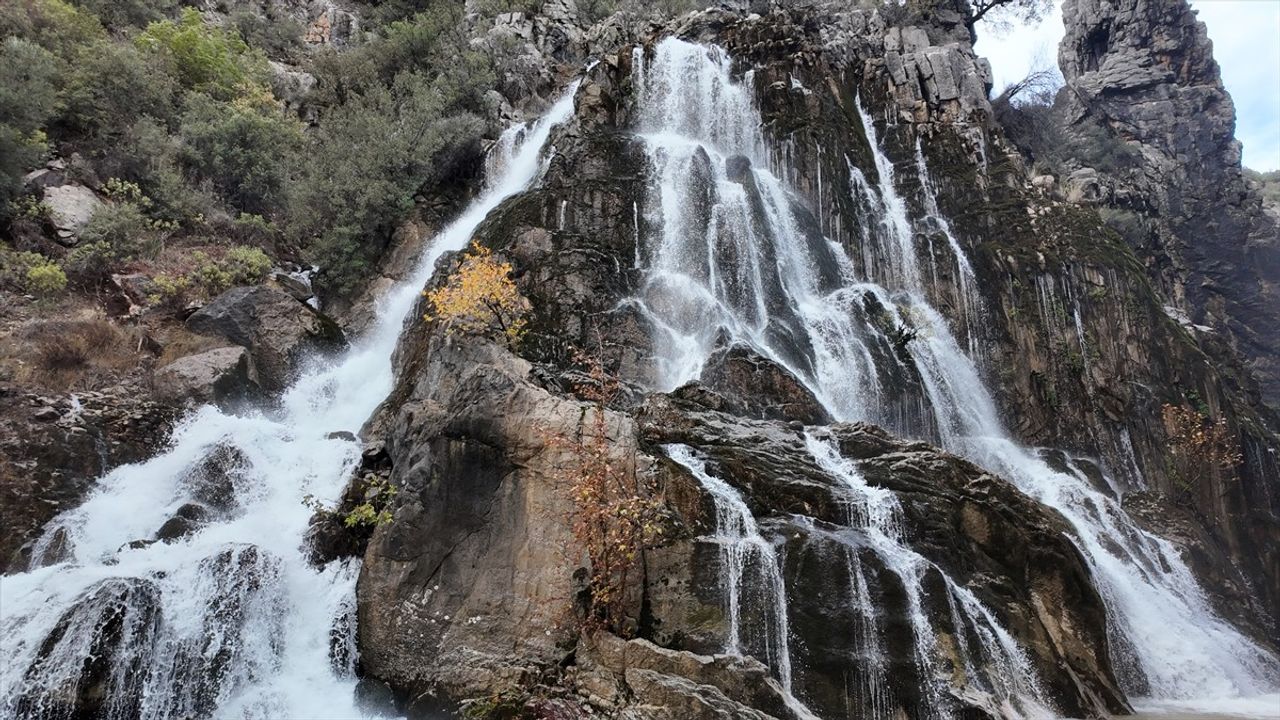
(480, 298)
(615, 515)
(1198, 446)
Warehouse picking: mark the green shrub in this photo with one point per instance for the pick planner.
(148, 155)
(241, 265)
(28, 98)
(209, 275)
(204, 58)
(110, 86)
(246, 265)
(123, 228)
(45, 279)
(254, 228)
(121, 14)
(375, 509)
(276, 34)
(169, 291)
(123, 191)
(91, 262)
(14, 266)
(363, 166)
(241, 148)
(54, 25)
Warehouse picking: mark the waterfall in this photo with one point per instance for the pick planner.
(743, 548)
(1014, 689)
(732, 255)
(233, 619)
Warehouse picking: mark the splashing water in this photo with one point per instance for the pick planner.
(233, 619)
(735, 256)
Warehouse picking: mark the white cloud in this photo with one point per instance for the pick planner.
(1246, 44)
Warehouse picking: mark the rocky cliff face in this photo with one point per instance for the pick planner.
(1144, 73)
(477, 587)
(977, 514)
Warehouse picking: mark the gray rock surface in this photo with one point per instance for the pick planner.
(219, 375)
(70, 208)
(278, 330)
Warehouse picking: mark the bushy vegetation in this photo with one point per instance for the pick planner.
(616, 515)
(480, 298)
(1199, 447)
(154, 95)
(374, 495)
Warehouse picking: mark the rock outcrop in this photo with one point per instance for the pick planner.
(278, 331)
(52, 449)
(221, 375)
(1144, 71)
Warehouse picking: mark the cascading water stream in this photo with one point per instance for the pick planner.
(1012, 686)
(743, 549)
(731, 259)
(233, 619)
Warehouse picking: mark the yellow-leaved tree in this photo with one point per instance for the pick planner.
(480, 298)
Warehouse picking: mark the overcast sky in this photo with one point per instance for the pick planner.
(1246, 44)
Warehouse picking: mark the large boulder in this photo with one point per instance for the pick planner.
(70, 208)
(221, 375)
(277, 329)
(658, 682)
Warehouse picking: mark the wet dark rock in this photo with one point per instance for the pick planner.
(278, 330)
(757, 387)
(375, 698)
(988, 537)
(298, 289)
(47, 466)
(737, 168)
(97, 657)
(186, 520)
(215, 479)
(241, 630)
(59, 549)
